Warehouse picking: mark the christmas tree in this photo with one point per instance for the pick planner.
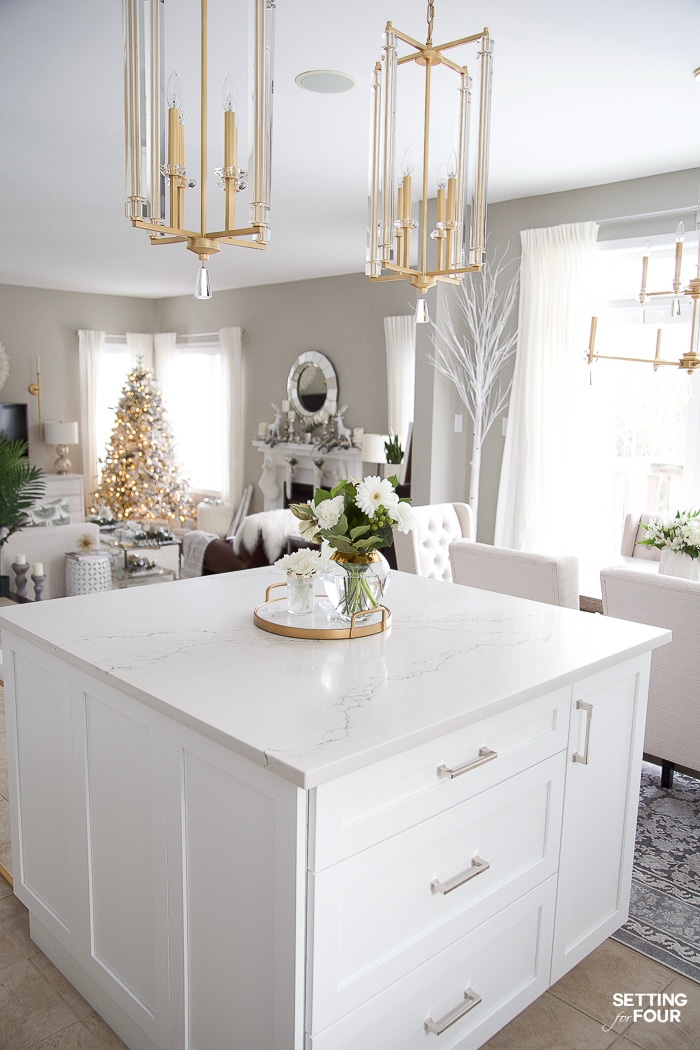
(140, 477)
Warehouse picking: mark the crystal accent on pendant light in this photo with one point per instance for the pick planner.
(422, 316)
(202, 286)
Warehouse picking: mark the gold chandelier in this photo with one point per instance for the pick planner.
(154, 164)
(690, 360)
(458, 246)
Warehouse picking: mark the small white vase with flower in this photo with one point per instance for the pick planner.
(678, 539)
(301, 567)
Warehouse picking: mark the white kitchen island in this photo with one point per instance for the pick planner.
(231, 840)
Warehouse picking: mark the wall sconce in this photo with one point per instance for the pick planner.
(35, 389)
(62, 435)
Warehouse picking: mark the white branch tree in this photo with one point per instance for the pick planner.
(472, 353)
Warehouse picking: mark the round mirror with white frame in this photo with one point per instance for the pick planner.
(312, 384)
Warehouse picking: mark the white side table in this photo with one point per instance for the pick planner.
(87, 573)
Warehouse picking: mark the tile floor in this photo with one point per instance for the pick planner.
(40, 1010)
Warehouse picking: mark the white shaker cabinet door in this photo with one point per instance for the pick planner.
(43, 786)
(237, 852)
(600, 810)
(122, 813)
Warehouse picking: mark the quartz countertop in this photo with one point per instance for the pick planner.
(314, 710)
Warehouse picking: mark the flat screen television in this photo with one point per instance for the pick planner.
(14, 422)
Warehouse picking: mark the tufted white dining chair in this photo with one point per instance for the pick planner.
(425, 550)
(672, 734)
(536, 576)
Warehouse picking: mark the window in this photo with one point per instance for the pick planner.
(191, 379)
(644, 423)
(193, 395)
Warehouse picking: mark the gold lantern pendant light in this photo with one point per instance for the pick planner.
(151, 166)
(394, 233)
(690, 360)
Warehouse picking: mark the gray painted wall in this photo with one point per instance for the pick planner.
(341, 316)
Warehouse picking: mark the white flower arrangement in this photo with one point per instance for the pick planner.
(305, 563)
(355, 518)
(680, 533)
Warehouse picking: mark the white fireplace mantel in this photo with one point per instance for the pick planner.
(312, 467)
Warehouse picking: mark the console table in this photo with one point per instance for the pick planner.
(230, 838)
(335, 465)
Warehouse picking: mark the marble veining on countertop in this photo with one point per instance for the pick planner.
(313, 710)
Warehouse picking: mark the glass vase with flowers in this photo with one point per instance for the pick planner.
(356, 519)
(678, 539)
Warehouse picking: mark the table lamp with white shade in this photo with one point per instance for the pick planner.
(373, 450)
(62, 435)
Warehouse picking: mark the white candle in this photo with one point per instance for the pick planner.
(38, 365)
(20, 559)
(38, 568)
(262, 430)
(285, 406)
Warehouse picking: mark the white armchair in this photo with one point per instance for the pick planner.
(536, 576)
(425, 550)
(673, 716)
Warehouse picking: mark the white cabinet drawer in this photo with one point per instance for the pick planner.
(379, 914)
(358, 810)
(505, 961)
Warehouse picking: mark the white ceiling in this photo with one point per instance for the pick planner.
(583, 94)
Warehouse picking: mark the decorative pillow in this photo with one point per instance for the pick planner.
(52, 512)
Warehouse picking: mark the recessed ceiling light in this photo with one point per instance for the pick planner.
(326, 81)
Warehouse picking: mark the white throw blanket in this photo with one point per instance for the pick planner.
(274, 526)
(194, 544)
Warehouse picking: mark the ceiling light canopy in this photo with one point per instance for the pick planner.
(393, 253)
(155, 159)
(326, 81)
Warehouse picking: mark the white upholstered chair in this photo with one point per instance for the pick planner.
(673, 716)
(536, 576)
(425, 550)
(632, 533)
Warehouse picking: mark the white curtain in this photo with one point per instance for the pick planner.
(231, 343)
(400, 339)
(90, 344)
(542, 494)
(164, 349)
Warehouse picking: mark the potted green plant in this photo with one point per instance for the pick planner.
(21, 485)
(393, 450)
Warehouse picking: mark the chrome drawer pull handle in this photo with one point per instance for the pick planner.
(581, 705)
(478, 866)
(485, 755)
(438, 1027)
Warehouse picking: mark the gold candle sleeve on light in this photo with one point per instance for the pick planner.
(679, 260)
(451, 207)
(441, 215)
(407, 207)
(173, 155)
(645, 271)
(230, 153)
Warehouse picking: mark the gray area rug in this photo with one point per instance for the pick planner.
(664, 922)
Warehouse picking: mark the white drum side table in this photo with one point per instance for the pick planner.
(87, 573)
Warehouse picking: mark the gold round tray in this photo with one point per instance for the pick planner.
(272, 616)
